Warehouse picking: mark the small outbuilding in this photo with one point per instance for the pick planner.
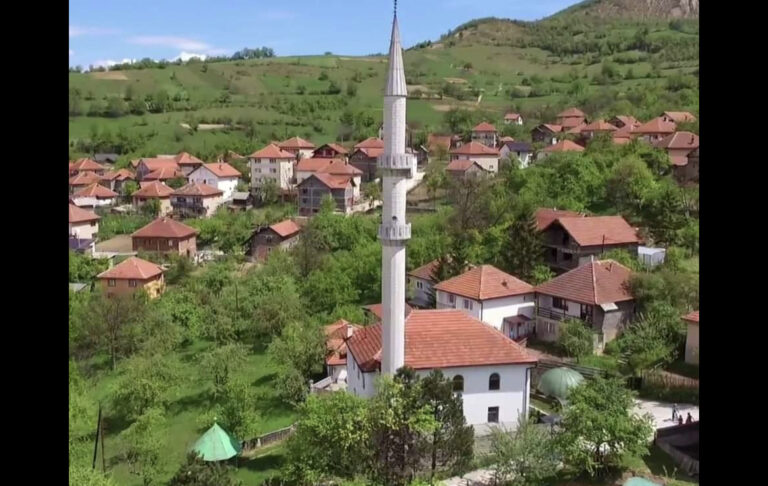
(216, 445)
(558, 381)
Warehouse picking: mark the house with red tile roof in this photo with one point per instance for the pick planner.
(298, 146)
(561, 146)
(463, 168)
(151, 191)
(313, 189)
(196, 200)
(624, 134)
(86, 165)
(515, 118)
(148, 165)
(597, 127)
(679, 145)
(570, 118)
(82, 180)
(83, 224)
(371, 142)
(654, 130)
(114, 179)
(94, 195)
(435, 140)
(131, 275)
(596, 293)
(621, 121)
(272, 164)
(490, 295)
(486, 134)
(365, 156)
(544, 216)
(279, 236)
(164, 235)
(421, 281)
(164, 174)
(678, 117)
(375, 311)
(573, 241)
(691, 321)
(219, 175)
(335, 167)
(187, 162)
(546, 133)
(336, 336)
(330, 151)
(485, 156)
(490, 371)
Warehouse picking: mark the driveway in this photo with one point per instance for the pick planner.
(662, 411)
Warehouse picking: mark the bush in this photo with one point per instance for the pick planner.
(575, 338)
(669, 393)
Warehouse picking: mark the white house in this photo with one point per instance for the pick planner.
(490, 295)
(298, 146)
(336, 335)
(94, 195)
(487, 157)
(492, 374)
(521, 150)
(420, 280)
(220, 175)
(515, 118)
(692, 338)
(272, 164)
(83, 224)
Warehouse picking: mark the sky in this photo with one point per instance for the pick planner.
(103, 32)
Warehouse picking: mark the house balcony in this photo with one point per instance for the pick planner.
(195, 205)
(560, 315)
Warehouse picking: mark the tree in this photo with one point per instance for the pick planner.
(630, 184)
(330, 439)
(310, 249)
(129, 187)
(524, 457)
(196, 472)
(451, 442)
(144, 446)
(176, 183)
(109, 321)
(268, 192)
(221, 362)
(236, 409)
(654, 339)
(398, 419)
(148, 383)
(372, 191)
(575, 338)
(299, 352)
(84, 269)
(541, 273)
(524, 249)
(151, 208)
(600, 427)
(327, 204)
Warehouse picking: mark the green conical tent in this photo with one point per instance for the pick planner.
(216, 445)
(556, 382)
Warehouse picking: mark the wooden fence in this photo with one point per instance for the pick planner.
(268, 438)
(666, 380)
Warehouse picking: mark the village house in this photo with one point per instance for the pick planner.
(561, 146)
(114, 179)
(365, 156)
(314, 188)
(148, 165)
(83, 180)
(596, 293)
(83, 224)
(164, 174)
(444, 142)
(336, 336)
(511, 118)
(570, 118)
(298, 147)
(330, 151)
(678, 117)
(422, 155)
(492, 296)
(241, 201)
(196, 200)
(335, 167)
(151, 191)
(94, 195)
(264, 240)
(574, 241)
(544, 216)
(375, 311)
(679, 145)
(272, 164)
(420, 280)
(131, 275)
(623, 135)
(621, 121)
(596, 128)
(219, 175)
(86, 165)
(521, 150)
(690, 171)
(164, 235)
(492, 376)
(692, 338)
(306, 167)
(546, 133)
(487, 157)
(486, 134)
(461, 169)
(187, 162)
(654, 130)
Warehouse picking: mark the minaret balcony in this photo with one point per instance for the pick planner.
(404, 162)
(394, 231)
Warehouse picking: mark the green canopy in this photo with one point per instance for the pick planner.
(557, 381)
(216, 445)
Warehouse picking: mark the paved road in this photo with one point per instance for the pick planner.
(662, 412)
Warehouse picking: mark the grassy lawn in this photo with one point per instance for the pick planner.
(691, 264)
(184, 415)
(263, 465)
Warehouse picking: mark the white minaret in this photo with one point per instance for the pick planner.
(395, 167)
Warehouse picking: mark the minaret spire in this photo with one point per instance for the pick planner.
(396, 166)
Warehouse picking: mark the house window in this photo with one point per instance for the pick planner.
(304, 190)
(257, 170)
(550, 328)
(494, 381)
(451, 299)
(458, 383)
(93, 223)
(131, 283)
(363, 381)
(558, 303)
(170, 242)
(304, 200)
(467, 304)
(111, 282)
(493, 415)
(567, 257)
(491, 167)
(419, 285)
(273, 171)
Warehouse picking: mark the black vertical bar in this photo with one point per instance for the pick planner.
(96, 442)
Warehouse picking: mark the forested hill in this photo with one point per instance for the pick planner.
(635, 9)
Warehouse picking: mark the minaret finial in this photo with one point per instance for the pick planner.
(395, 8)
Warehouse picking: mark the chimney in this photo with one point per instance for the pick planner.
(350, 331)
(504, 283)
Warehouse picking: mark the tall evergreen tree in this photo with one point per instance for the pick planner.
(524, 249)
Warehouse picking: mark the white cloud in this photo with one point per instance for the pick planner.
(107, 63)
(182, 43)
(78, 31)
(186, 56)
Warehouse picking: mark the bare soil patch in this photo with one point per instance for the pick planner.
(111, 75)
(455, 80)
